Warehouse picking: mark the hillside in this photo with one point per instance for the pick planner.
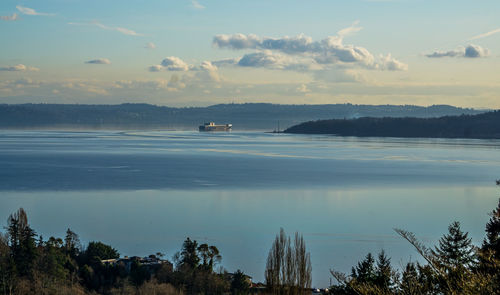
(486, 125)
(251, 116)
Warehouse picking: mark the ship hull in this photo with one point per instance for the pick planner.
(227, 127)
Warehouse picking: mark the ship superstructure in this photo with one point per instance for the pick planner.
(211, 126)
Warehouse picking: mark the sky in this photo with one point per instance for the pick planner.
(204, 52)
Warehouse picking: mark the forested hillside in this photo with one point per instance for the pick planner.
(485, 125)
(251, 116)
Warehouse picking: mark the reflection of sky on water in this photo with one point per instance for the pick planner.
(340, 225)
(145, 192)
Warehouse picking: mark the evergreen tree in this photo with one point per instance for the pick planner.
(455, 249)
(364, 272)
(492, 242)
(384, 273)
(72, 243)
(239, 283)
(189, 254)
(490, 250)
(409, 284)
(22, 242)
(97, 251)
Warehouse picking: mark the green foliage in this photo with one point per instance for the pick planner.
(189, 254)
(489, 254)
(485, 125)
(239, 284)
(454, 266)
(455, 249)
(209, 256)
(139, 274)
(97, 251)
(22, 242)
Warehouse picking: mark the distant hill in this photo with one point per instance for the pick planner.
(251, 116)
(486, 125)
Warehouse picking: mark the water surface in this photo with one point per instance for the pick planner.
(144, 192)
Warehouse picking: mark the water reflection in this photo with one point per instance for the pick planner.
(339, 225)
(145, 192)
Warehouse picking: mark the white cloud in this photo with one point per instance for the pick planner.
(18, 68)
(12, 17)
(108, 28)
(354, 28)
(263, 59)
(204, 74)
(487, 34)
(226, 62)
(99, 61)
(471, 51)
(329, 51)
(196, 5)
(340, 76)
(474, 51)
(150, 45)
(171, 63)
(279, 61)
(156, 68)
(175, 84)
(31, 11)
(389, 63)
(85, 86)
(208, 72)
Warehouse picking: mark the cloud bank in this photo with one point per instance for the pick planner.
(99, 61)
(471, 51)
(301, 52)
(18, 68)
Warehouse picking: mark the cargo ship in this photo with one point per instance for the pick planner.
(212, 127)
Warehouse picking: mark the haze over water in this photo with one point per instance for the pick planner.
(144, 192)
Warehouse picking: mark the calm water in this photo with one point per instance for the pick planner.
(145, 192)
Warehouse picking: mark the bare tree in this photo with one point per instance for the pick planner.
(288, 268)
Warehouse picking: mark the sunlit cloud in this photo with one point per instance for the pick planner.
(471, 51)
(99, 61)
(18, 68)
(171, 63)
(108, 28)
(12, 17)
(279, 52)
(31, 11)
(487, 34)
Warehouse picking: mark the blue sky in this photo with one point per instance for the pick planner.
(183, 53)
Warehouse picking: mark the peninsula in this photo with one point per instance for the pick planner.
(481, 126)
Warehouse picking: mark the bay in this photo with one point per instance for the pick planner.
(145, 192)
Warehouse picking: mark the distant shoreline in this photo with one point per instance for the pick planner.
(481, 126)
(248, 116)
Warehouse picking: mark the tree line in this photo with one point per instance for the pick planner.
(485, 125)
(29, 264)
(244, 116)
(455, 266)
